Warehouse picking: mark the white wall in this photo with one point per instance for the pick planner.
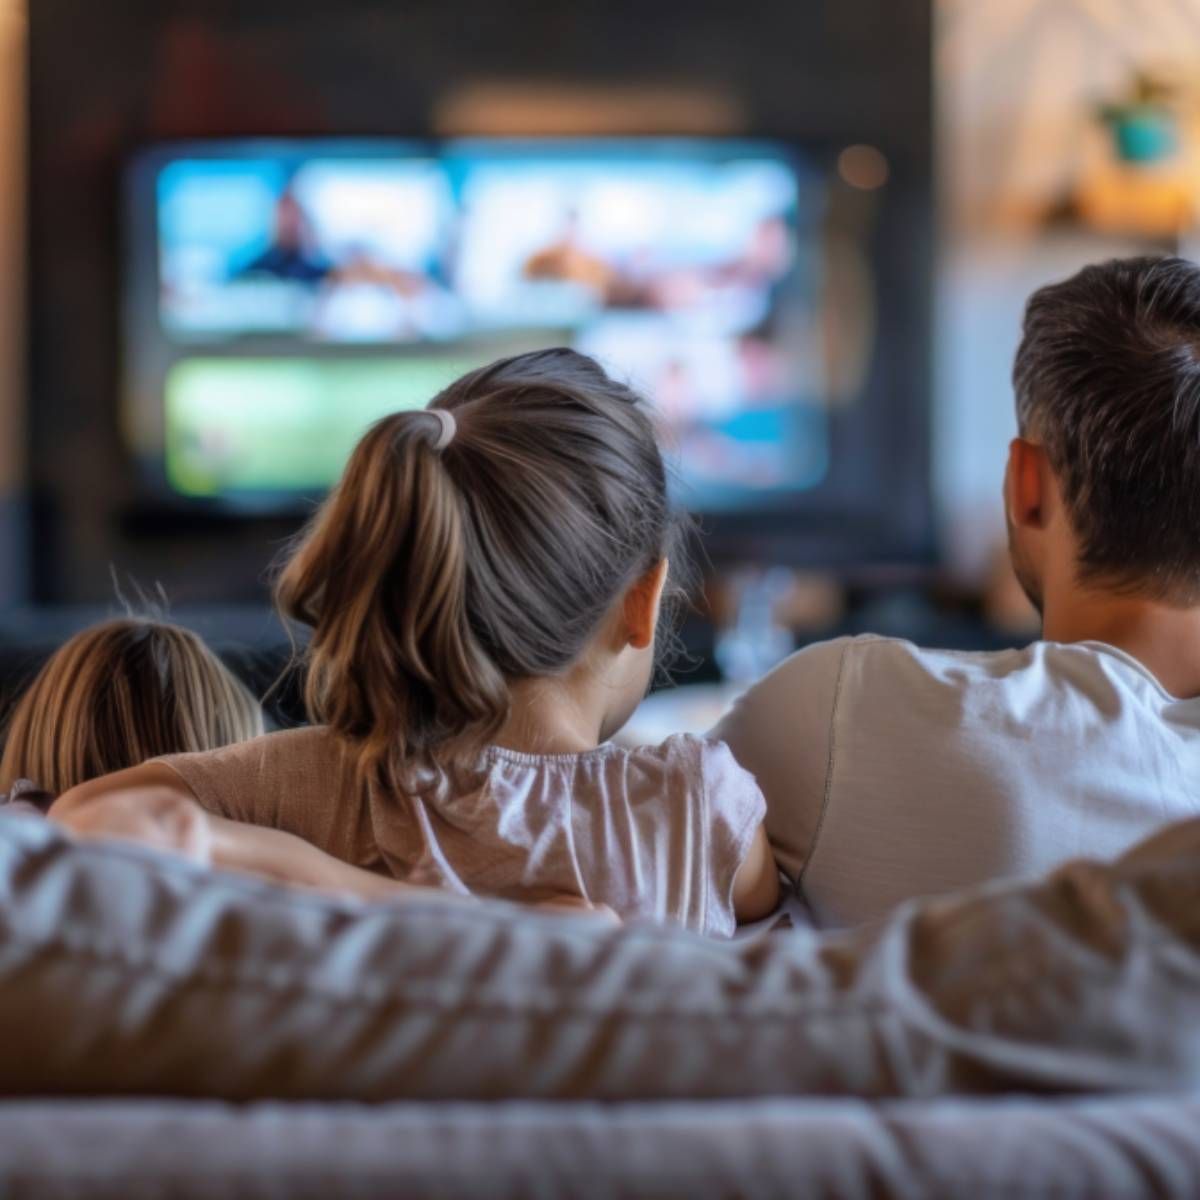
(1017, 82)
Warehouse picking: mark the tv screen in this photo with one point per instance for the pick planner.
(282, 296)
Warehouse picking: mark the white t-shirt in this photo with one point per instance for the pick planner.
(891, 771)
(652, 831)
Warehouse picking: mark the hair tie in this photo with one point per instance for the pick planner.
(449, 427)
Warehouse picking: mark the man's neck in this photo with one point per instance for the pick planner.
(1165, 639)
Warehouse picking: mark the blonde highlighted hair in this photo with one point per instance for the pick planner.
(118, 694)
(442, 569)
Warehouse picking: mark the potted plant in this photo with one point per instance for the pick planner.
(1145, 125)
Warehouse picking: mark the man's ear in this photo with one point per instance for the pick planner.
(641, 605)
(1025, 495)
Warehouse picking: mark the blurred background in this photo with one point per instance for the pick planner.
(233, 233)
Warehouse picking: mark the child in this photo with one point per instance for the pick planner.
(129, 690)
(115, 695)
(483, 588)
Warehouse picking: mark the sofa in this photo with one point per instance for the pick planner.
(167, 1030)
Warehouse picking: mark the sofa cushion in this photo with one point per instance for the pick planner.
(126, 971)
(1015, 1148)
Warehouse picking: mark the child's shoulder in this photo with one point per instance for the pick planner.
(700, 770)
(699, 755)
(696, 772)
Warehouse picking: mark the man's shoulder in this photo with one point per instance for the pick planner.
(893, 668)
(876, 652)
(869, 677)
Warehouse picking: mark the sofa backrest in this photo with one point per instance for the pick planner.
(126, 971)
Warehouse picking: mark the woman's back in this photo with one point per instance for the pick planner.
(652, 831)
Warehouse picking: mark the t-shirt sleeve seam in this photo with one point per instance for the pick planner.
(830, 762)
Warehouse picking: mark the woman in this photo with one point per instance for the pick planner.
(484, 589)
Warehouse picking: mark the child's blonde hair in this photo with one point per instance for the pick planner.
(118, 694)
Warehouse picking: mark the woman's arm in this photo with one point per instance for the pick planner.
(286, 858)
(152, 778)
(756, 885)
(153, 806)
(146, 813)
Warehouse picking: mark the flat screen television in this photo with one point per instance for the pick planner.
(279, 296)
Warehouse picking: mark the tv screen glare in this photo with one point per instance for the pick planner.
(281, 296)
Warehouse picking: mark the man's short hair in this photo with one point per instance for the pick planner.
(1107, 378)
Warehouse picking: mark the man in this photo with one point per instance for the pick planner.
(891, 771)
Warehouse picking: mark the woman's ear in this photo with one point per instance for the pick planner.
(641, 606)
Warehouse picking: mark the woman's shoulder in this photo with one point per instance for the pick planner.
(297, 769)
(297, 754)
(304, 739)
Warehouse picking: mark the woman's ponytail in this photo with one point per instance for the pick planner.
(381, 577)
(462, 552)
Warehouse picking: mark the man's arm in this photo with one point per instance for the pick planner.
(781, 732)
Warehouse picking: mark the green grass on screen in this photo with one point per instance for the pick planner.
(284, 425)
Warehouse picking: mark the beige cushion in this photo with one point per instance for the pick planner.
(125, 971)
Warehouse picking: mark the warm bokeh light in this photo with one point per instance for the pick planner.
(863, 167)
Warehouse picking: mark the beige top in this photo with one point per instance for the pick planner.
(655, 831)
